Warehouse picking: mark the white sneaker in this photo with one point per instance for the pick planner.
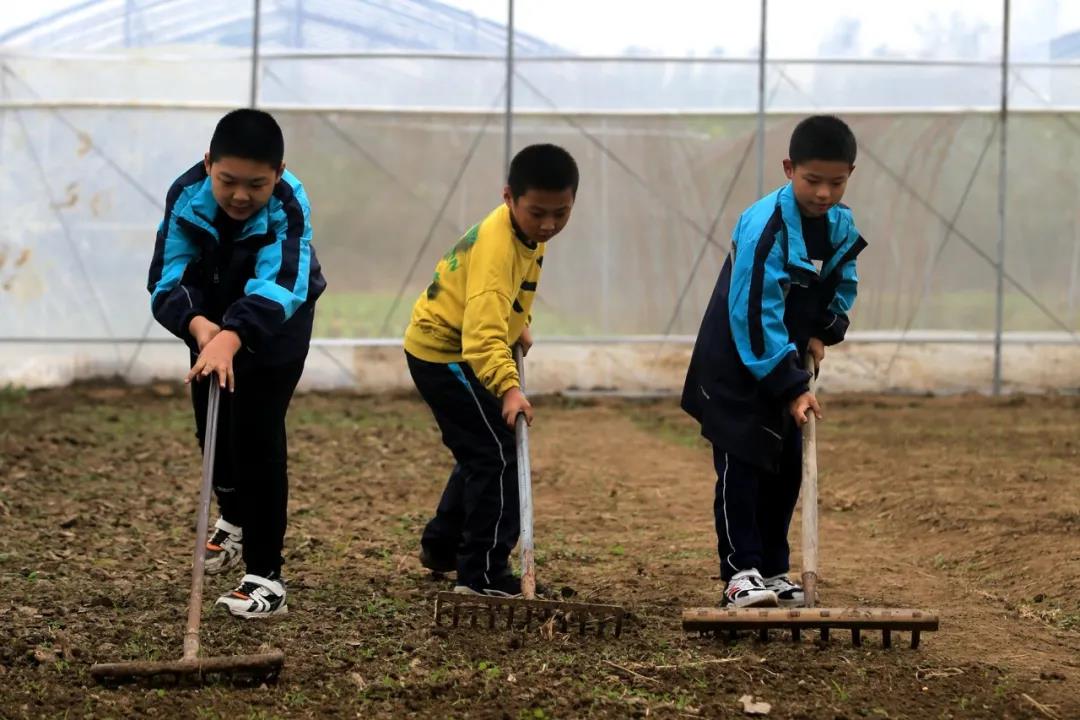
(747, 589)
(224, 549)
(256, 597)
(788, 594)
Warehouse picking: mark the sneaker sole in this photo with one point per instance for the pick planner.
(247, 615)
(466, 590)
(763, 603)
(760, 602)
(791, 603)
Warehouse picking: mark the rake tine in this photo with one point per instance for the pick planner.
(824, 635)
(763, 635)
(510, 618)
(457, 615)
(886, 638)
(491, 617)
(733, 635)
(856, 637)
(914, 639)
(796, 635)
(581, 626)
(528, 616)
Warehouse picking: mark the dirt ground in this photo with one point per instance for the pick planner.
(966, 506)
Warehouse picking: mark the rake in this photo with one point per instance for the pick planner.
(712, 620)
(456, 609)
(191, 668)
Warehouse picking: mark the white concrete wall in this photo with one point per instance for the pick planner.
(1032, 363)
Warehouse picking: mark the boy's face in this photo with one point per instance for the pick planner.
(540, 214)
(241, 187)
(818, 184)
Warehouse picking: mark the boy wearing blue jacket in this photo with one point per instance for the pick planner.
(234, 275)
(785, 289)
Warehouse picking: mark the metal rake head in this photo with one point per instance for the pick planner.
(241, 670)
(550, 616)
(888, 620)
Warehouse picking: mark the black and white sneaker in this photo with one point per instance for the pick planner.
(504, 586)
(256, 597)
(747, 589)
(225, 548)
(788, 594)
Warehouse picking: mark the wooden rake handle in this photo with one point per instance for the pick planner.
(525, 501)
(194, 618)
(810, 498)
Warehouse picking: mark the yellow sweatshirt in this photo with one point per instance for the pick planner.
(479, 302)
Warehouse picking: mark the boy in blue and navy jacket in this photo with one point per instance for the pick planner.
(786, 289)
(235, 277)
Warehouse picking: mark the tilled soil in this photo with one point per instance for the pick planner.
(966, 506)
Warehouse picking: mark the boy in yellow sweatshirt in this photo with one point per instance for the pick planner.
(458, 347)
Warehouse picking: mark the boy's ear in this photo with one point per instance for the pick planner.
(849, 172)
(789, 168)
(206, 162)
(508, 196)
(280, 170)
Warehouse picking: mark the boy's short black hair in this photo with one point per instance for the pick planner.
(543, 167)
(248, 134)
(822, 137)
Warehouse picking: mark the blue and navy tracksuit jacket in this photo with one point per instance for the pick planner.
(262, 284)
(768, 302)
